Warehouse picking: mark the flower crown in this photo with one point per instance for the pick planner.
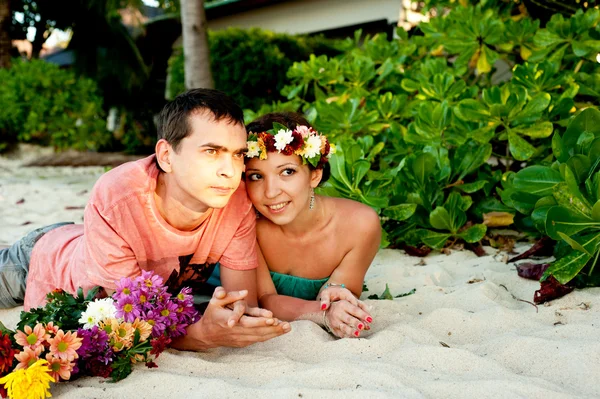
(312, 146)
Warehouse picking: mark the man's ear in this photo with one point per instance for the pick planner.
(163, 154)
(315, 177)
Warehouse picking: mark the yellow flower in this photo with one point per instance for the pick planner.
(263, 149)
(31, 383)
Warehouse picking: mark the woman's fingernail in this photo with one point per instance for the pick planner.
(369, 319)
(323, 306)
(356, 333)
(286, 327)
(360, 326)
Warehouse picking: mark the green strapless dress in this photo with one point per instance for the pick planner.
(298, 287)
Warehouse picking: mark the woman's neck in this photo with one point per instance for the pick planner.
(307, 221)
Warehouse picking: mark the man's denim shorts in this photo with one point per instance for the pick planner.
(14, 267)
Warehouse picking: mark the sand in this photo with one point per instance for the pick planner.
(466, 332)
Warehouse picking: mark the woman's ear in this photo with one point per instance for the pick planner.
(315, 177)
(163, 155)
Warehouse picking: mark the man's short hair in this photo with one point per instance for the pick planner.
(173, 121)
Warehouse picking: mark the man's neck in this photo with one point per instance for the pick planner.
(171, 204)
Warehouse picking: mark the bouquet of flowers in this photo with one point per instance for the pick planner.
(74, 336)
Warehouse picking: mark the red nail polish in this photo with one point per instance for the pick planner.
(369, 319)
(360, 326)
(356, 333)
(323, 306)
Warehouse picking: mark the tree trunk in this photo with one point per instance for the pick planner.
(195, 45)
(5, 42)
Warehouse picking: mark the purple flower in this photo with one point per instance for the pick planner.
(157, 322)
(125, 289)
(94, 352)
(128, 308)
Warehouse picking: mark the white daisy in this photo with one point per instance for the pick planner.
(97, 311)
(283, 138)
(312, 146)
(253, 149)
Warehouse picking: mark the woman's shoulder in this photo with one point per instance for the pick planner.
(354, 214)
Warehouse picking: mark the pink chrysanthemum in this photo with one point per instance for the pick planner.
(31, 337)
(59, 368)
(65, 345)
(28, 356)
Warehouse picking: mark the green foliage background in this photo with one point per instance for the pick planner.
(433, 127)
(44, 104)
(251, 65)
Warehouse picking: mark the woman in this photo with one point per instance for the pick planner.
(313, 249)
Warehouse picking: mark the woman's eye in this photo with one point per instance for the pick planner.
(254, 177)
(288, 172)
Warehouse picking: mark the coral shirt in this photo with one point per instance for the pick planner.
(123, 233)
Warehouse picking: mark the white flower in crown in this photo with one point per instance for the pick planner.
(283, 138)
(253, 149)
(303, 130)
(312, 146)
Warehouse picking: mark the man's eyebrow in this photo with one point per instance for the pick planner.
(223, 148)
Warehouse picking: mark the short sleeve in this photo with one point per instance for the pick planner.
(240, 254)
(109, 257)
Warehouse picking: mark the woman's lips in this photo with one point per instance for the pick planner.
(278, 208)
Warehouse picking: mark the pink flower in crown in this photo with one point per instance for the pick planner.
(304, 131)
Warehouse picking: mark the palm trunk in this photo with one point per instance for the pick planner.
(5, 42)
(195, 45)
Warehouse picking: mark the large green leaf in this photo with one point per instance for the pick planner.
(423, 166)
(587, 121)
(474, 233)
(469, 157)
(359, 170)
(538, 180)
(537, 131)
(440, 219)
(400, 212)
(558, 148)
(519, 147)
(565, 269)
(566, 221)
(434, 239)
(472, 111)
(579, 165)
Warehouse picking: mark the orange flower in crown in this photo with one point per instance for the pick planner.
(304, 141)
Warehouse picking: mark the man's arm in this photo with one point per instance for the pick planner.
(212, 330)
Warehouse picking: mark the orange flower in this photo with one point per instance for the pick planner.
(59, 367)
(64, 345)
(143, 327)
(51, 329)
(28, 356)
(32, 337)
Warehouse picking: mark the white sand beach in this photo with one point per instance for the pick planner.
(464, 333)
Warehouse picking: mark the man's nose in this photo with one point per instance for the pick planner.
(226, 167)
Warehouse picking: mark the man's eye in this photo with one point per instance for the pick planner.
(288, 172)
(239, 155)
(254, 176)
(211, 151)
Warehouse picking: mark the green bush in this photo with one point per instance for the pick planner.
(431, 128)
(250, 65)
(43, 104)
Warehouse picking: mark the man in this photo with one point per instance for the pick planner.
(178, 213)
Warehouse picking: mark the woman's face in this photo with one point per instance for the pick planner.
(280, 186)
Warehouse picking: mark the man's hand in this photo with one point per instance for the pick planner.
(215, 328)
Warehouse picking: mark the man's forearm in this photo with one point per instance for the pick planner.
(193, 340)
(289, 308)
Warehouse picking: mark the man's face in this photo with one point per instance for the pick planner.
(208, 165)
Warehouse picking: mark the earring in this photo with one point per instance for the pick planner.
(257, 213)
(311, 205)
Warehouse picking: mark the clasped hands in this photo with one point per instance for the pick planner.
(343, 314)
(229, 321)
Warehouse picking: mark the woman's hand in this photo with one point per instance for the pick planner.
(338, 293)
(346, 320)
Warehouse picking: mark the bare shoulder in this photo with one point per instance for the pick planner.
(355, 215)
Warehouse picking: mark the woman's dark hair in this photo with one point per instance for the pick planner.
(289, 120)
